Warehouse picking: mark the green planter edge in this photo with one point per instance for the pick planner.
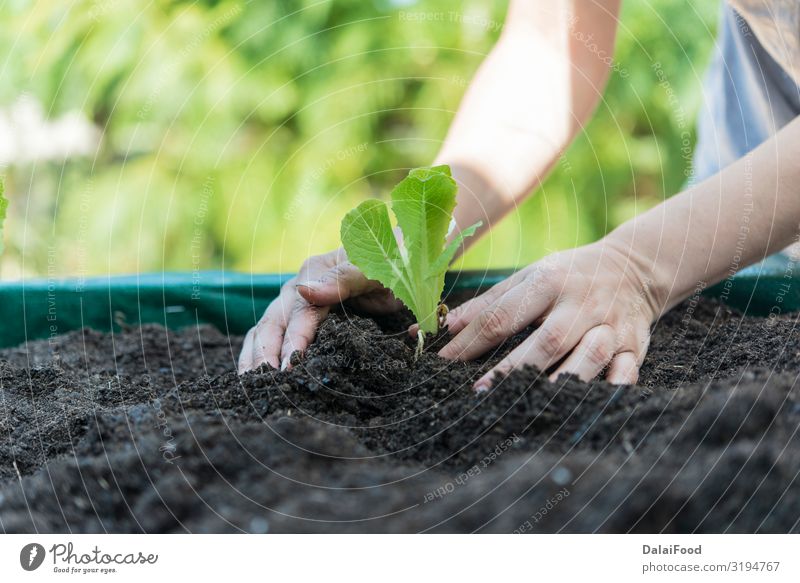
(33, 309)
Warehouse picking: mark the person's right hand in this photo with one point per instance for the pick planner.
(290, 322)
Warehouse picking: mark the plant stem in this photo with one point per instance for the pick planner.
(420, 344)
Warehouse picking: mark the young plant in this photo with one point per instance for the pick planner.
(414, 267)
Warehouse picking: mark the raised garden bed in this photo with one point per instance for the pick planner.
(149, 429)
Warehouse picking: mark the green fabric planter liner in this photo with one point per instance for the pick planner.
(41, 308)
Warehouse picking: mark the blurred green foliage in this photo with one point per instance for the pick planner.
(236, 134)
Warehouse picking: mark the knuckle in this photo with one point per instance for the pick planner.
(551, 339)
(599, 352)
(310, 264)
(302, 339)
(457, 312)
(339, 270)
(549, 275)
(454, 349)
(301, 305)
(501, 370)
(288, 289)
(536, 281)
(316, 260)
(271, 317)
(591, 303)
(455, 317)
(460, 315)
(494, 323)
(546, 281)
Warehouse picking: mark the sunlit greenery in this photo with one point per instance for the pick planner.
(237, 134)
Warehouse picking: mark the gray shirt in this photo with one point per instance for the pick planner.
(752, 88)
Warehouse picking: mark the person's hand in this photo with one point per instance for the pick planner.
(291, 320)
(593, 307)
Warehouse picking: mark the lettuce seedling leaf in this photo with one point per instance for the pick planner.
(371, 246)
(414, 270)
(444, 260)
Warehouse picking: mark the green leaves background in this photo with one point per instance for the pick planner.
(237, 134)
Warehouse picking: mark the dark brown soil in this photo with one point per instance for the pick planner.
(150, 430)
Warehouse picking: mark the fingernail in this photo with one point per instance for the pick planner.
(481, 387)
(285, 362)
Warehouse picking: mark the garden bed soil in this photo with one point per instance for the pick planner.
(150, 430)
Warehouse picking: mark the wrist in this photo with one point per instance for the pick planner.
(478, 199)
(642, 270)
(482, 192)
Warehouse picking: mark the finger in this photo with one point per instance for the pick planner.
(267, 341)
(301, 330)
(514, 310)
(246, 354)
(267, 334)
(558, 335)
(460, 316)
(591, 355)
(262, 344)
(624, 369)
(337, 284)
(633, 334)
(377, 302)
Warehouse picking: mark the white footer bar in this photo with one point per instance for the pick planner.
(388, 558)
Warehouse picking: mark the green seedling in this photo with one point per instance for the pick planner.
(412, 268)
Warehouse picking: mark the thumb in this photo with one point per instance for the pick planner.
(336, 285)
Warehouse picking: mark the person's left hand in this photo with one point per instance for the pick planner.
(593, 307)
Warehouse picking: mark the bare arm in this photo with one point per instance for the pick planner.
(530, 97)
(596, 303)
(735, 218)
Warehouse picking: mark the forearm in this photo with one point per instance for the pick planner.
(735, 218)
(531, 96)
